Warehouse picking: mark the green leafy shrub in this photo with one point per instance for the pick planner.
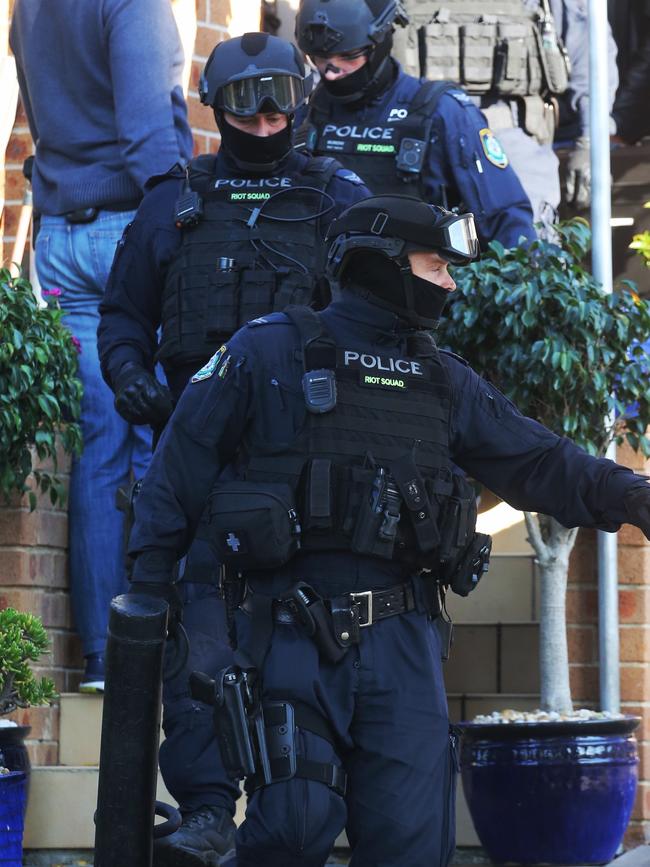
(538, 325)
(535, 322)
(22, 640)
(641, 243)
(39, 392)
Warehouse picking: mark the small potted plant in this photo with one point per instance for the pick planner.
(39, 392)
(559, 786)
(22, 641)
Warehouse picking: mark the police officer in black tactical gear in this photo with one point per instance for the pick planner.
(236, 235)
(233, 237)
(401, 134)
(340, 524)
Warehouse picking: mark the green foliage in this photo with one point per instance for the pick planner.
(535, 322)
(39, 392)
(22, 640)
(641, 243)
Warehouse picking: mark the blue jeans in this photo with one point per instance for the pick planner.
(77, 259)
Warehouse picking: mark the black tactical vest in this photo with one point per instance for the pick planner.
(387, 436)
(256, 249)
(387, 156)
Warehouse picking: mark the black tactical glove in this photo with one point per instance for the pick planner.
(140, 398)
(637, 506)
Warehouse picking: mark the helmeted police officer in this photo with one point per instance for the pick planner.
(340, 521)
(238, 234)
(234, 236)
(400, 134)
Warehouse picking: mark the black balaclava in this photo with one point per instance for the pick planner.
(255, 153)
(368, 81)
(388, 284)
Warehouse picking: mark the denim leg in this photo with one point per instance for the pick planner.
(77, 259)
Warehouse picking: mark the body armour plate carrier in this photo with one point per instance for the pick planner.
(497, 48)
(389, 155)
(250, 253)
(372, 474)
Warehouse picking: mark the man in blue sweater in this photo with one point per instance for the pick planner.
(100, 83)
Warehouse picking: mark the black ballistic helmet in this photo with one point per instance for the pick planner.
(252, 73)
(370, 243)
(337, 26)
(328, 27)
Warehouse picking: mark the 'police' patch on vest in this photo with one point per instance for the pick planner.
(373, 380)
(249, 189)
(492, 149)
(208, 369)
(378, 365)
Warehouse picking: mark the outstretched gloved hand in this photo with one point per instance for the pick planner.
(140, 398)
(577, 180)
(637, 506)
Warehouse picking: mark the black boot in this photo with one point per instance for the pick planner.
(204, 838)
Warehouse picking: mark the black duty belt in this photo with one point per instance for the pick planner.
(371, 605)
(88, 215)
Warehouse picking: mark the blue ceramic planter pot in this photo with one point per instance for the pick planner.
(550, 793)
(13, 797)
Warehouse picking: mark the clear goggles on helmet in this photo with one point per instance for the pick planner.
(247, 96)
(461, 238)
(455, 239)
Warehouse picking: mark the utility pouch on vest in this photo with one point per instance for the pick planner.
(422, 512)
(477, 45)
(458, 523)
(222, 291)
(553, 54)
(439, 64)
(252, 525)
(463, 575)
(378, 515)
(511, 60)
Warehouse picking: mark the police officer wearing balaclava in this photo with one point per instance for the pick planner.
(339, 522)
(400, 134)
(237, 235)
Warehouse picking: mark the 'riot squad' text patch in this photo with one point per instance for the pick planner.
(372, 380)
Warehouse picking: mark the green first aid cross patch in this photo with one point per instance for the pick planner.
(492, 149)
(208, 369)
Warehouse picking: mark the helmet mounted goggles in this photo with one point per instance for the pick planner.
(278, 90)
(452, 236)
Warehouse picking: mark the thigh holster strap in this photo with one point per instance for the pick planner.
(280, 762)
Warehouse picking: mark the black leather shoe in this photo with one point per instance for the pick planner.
(205, 839)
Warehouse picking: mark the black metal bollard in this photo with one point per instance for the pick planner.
(130, 732)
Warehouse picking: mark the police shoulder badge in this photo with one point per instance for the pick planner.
(492, 148)
(208, 369)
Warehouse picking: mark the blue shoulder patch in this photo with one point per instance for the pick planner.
(460, 96)
(350, 176)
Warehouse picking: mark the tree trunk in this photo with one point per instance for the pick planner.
(553, 544)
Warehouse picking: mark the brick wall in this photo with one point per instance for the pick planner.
(33, 561)
(33, 577)
(634, 614)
